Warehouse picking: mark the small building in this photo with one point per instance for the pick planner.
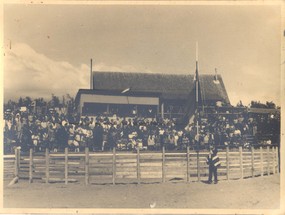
(149, 94)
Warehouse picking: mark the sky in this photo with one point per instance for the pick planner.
(47, 48)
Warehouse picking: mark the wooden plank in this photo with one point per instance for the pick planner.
(103, 180)
(174, 159)
(60, 180)
(94, 173)
(150, 169)
(176, 164)
(12, 157)
(126, 175)
(126, 159)
(156, 176)
(97, 159)
(149, 164)
(130, 156)
(120, 164)
(169, 154)
(150, 156)
(142, 161)
(66, 165)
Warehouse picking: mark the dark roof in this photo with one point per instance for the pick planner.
(170, 86)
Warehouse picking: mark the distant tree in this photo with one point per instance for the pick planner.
(63, 101)
(54, 102)
(20, 102)
(27, 101)
(70, 101)
(40, 102)
(239, 104)
(12, 105)
(269, 105)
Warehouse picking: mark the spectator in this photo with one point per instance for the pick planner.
(98, 137)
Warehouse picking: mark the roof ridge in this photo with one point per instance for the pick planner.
(152, 73)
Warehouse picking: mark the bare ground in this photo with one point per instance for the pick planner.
(252, 193)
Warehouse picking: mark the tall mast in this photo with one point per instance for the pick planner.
(197, 90)
(197, 111)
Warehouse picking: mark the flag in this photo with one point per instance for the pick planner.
(126, 90)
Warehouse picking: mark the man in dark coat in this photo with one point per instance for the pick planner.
(61, 138)
(214, 162)
(111, 138)
(26, 138)
(98, 137)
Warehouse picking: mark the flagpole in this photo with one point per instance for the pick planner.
(197, 91)
(197, 113)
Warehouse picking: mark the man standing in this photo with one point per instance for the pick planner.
(98, 137)
(214, 162)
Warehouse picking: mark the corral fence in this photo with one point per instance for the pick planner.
(138, 166)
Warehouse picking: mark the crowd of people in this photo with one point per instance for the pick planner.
(100, 133)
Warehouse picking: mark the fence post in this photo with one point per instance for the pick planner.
(273, 159)
(66, 165)
(198, 165)
(163, 164)
(31, 166)
(261, 160)
(268, 160)
(228, 162)
(241, 162)
(114, 165)
(86, 165)
(252, 161)
(138, 165)
(47, 165)
(188, 164)
(17, 162)
(277, 159)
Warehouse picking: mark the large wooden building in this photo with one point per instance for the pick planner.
(149, 94)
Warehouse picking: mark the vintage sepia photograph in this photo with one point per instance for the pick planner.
(142, 107)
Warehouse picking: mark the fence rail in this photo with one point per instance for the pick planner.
(139, 166)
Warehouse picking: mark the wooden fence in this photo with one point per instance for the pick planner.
(140, 166)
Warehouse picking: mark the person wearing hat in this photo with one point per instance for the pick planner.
(214, 162)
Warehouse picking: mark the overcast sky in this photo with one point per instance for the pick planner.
(48, 47)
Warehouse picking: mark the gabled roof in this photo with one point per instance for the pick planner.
(170, 86)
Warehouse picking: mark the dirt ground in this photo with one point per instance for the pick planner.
(252, 193)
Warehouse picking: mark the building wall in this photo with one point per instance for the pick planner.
(110, 99)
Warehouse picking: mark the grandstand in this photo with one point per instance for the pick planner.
(149, 94)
